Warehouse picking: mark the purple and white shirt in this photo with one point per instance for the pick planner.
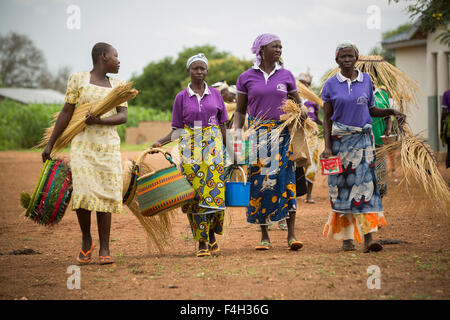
(266, 93)
(190, 108)
(351, 100)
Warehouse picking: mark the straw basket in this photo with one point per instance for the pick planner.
(162, 190)
(51, 195)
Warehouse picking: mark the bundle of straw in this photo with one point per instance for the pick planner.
(158, 227)
(115, 97)
(419, 167)
(401, 88)
(306, 93)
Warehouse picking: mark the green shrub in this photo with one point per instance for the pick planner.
(22, 126)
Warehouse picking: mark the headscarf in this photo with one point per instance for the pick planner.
(262, 40)
(346, 44)
(307, 77)
(197, 57)
(221, 85)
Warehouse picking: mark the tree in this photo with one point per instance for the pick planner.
(432, 15)
(24, 65)
(20, 61)
(160, 81)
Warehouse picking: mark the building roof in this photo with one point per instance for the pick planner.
(27, 95)
(409, 38)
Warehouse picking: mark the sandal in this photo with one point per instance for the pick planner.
(311, 201)
(263, 245)
(373, 246)
(203, 253)
(211, 246)
(86, 259)
(348, 246)
(105, 260)
(295, 244)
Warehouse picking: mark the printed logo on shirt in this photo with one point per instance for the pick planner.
(212, 120)
(362, 100)
(281, 87)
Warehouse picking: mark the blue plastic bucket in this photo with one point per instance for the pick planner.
(237, 194)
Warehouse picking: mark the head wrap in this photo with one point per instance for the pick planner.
(346, 44)
(262, 40)
(232, 89)
(221, 85)
(197, 57)
(307, 77)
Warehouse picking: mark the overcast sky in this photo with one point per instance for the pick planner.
(144, 31)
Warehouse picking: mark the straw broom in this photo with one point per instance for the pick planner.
(158, 227)
(402, 89)
(419, 167)
(117, 96)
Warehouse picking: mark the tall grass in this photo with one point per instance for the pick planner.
(22, 126)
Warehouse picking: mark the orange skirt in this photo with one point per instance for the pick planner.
(346, 226)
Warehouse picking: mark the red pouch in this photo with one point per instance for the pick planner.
(331, 165)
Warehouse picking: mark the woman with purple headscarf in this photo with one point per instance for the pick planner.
(261, 91)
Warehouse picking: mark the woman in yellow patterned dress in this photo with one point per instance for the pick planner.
(95, 158)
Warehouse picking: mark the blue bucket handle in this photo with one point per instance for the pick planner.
(243, 173)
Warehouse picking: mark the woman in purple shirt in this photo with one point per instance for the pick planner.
(354, 195)
(198, 119)
(261, 91)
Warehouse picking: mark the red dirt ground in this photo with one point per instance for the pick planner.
(415, 270)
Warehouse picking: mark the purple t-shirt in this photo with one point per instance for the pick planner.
(313, 108)
(446, 99)
(188, 110)
(351, 103)
(265, 97)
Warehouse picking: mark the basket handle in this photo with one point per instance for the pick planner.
(243, 173)
(141, 157)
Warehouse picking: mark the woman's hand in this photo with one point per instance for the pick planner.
(156, 145)
(89, 119)
(46, 153)
(327, 153)
(401, 117)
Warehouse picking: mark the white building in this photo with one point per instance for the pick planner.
(426, 61)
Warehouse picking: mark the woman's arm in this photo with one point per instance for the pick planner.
(328, 112)
(166, 139)
(296, 97)
(382, 113)
(60, 125)
(114, 120)
(241, 110)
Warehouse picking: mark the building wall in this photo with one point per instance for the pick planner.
(412, 61)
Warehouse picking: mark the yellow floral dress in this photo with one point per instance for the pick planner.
(95, 157)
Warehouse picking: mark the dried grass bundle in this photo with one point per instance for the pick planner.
(158, 227)
(418, 164)
(307, 93)
(116, 97)
(384, 75)
(291, 118)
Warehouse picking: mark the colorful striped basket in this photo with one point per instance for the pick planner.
(161, 190)
(51, 195)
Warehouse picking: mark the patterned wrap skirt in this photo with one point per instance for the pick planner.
(271, 175)
(202, 163)
(354, 195)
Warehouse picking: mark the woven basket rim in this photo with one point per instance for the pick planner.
(155, 172)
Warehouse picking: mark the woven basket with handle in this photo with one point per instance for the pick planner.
(161, 190)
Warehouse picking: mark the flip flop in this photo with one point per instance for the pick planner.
(105, 260)
(210, 246)
(310, 201)
(295, 244)
(263, 245)
(86, 259)
(203, 253)
(374, 247)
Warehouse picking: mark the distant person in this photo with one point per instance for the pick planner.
(355, 199)
(95, 158)
(445, 125)
(261, 91)
(313, 140)
(201, 106)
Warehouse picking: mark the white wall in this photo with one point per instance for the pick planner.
(412, 61)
